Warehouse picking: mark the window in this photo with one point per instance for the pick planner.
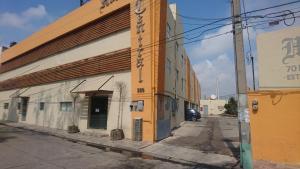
(177, 75)
(182, 61)
(6, 105)
(19, 105)
(42, 106)
(65, 106)
(168, 30)
(182, 86)
(169, 66)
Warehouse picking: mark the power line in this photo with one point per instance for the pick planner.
(250, 47)
(211, 23)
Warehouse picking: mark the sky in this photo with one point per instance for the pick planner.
(212, 59)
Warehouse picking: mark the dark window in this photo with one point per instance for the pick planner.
(65, 106)
(42, 105)
(6, 105)
(19, 106)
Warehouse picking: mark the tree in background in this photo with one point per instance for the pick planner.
(231, 107)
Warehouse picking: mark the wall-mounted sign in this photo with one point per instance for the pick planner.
(139, 10)
(137, 106)
(279, 59)
(105, 3)
(140, 90)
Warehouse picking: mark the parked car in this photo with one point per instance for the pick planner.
(192, 115)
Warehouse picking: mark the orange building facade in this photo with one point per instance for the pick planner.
(275, 127)
(124, 44)
(275, 107)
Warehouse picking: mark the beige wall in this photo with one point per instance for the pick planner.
(272, 48)
(175, 56)
(213, 106)
(176, 59)
(53, 94)
(95, 48)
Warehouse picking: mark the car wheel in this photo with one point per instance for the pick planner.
(194, 118)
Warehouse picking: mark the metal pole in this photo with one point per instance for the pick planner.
(253, 77)
(241, 85)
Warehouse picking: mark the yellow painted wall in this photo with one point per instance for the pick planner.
(153, 61)
(275, 127)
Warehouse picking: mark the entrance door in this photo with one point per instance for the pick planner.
(24, 105)
(98, 112)
(205, 107)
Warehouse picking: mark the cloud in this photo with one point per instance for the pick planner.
(208, 71)
(23, 19)
(212, 59)
(213, 47)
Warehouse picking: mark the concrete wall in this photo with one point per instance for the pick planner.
(53, 94)
(175, 62)
(213, 106)
(275, 127)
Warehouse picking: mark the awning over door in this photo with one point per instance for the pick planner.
(103, 85)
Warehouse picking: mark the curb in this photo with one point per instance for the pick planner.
(126, 150)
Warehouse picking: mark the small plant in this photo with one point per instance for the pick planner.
(73, 129)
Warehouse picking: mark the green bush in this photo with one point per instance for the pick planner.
(231, 107)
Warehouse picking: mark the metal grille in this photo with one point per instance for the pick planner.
(138, 129)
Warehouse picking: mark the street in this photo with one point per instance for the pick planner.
(21, 149)
(215, 135)
(24, 149)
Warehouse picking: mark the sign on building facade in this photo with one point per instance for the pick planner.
(279, 59)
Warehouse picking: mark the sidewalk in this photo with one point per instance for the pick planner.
(159, 150)
(267, 165)
(87, 137)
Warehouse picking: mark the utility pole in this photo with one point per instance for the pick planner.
(241, 85)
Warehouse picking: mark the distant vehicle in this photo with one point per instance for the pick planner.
(192, 115)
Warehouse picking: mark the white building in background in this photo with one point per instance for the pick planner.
(212, 107)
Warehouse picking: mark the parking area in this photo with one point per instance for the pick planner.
(217, 135)
(211, 140)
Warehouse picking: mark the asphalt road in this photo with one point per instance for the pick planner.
(212, 135)
(20, 149)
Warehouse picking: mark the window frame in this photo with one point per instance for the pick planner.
(5, 106)
(42, 106)
(168, 31)
(66, 108)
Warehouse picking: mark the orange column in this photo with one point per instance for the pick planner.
(148, 27)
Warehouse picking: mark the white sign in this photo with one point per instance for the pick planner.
(279, 59)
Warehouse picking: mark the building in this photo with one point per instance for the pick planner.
(212, 107)
(100, 67)
(274, 108)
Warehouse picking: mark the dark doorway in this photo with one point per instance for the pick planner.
(98, 112)
(24, 105)
(186, 106)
